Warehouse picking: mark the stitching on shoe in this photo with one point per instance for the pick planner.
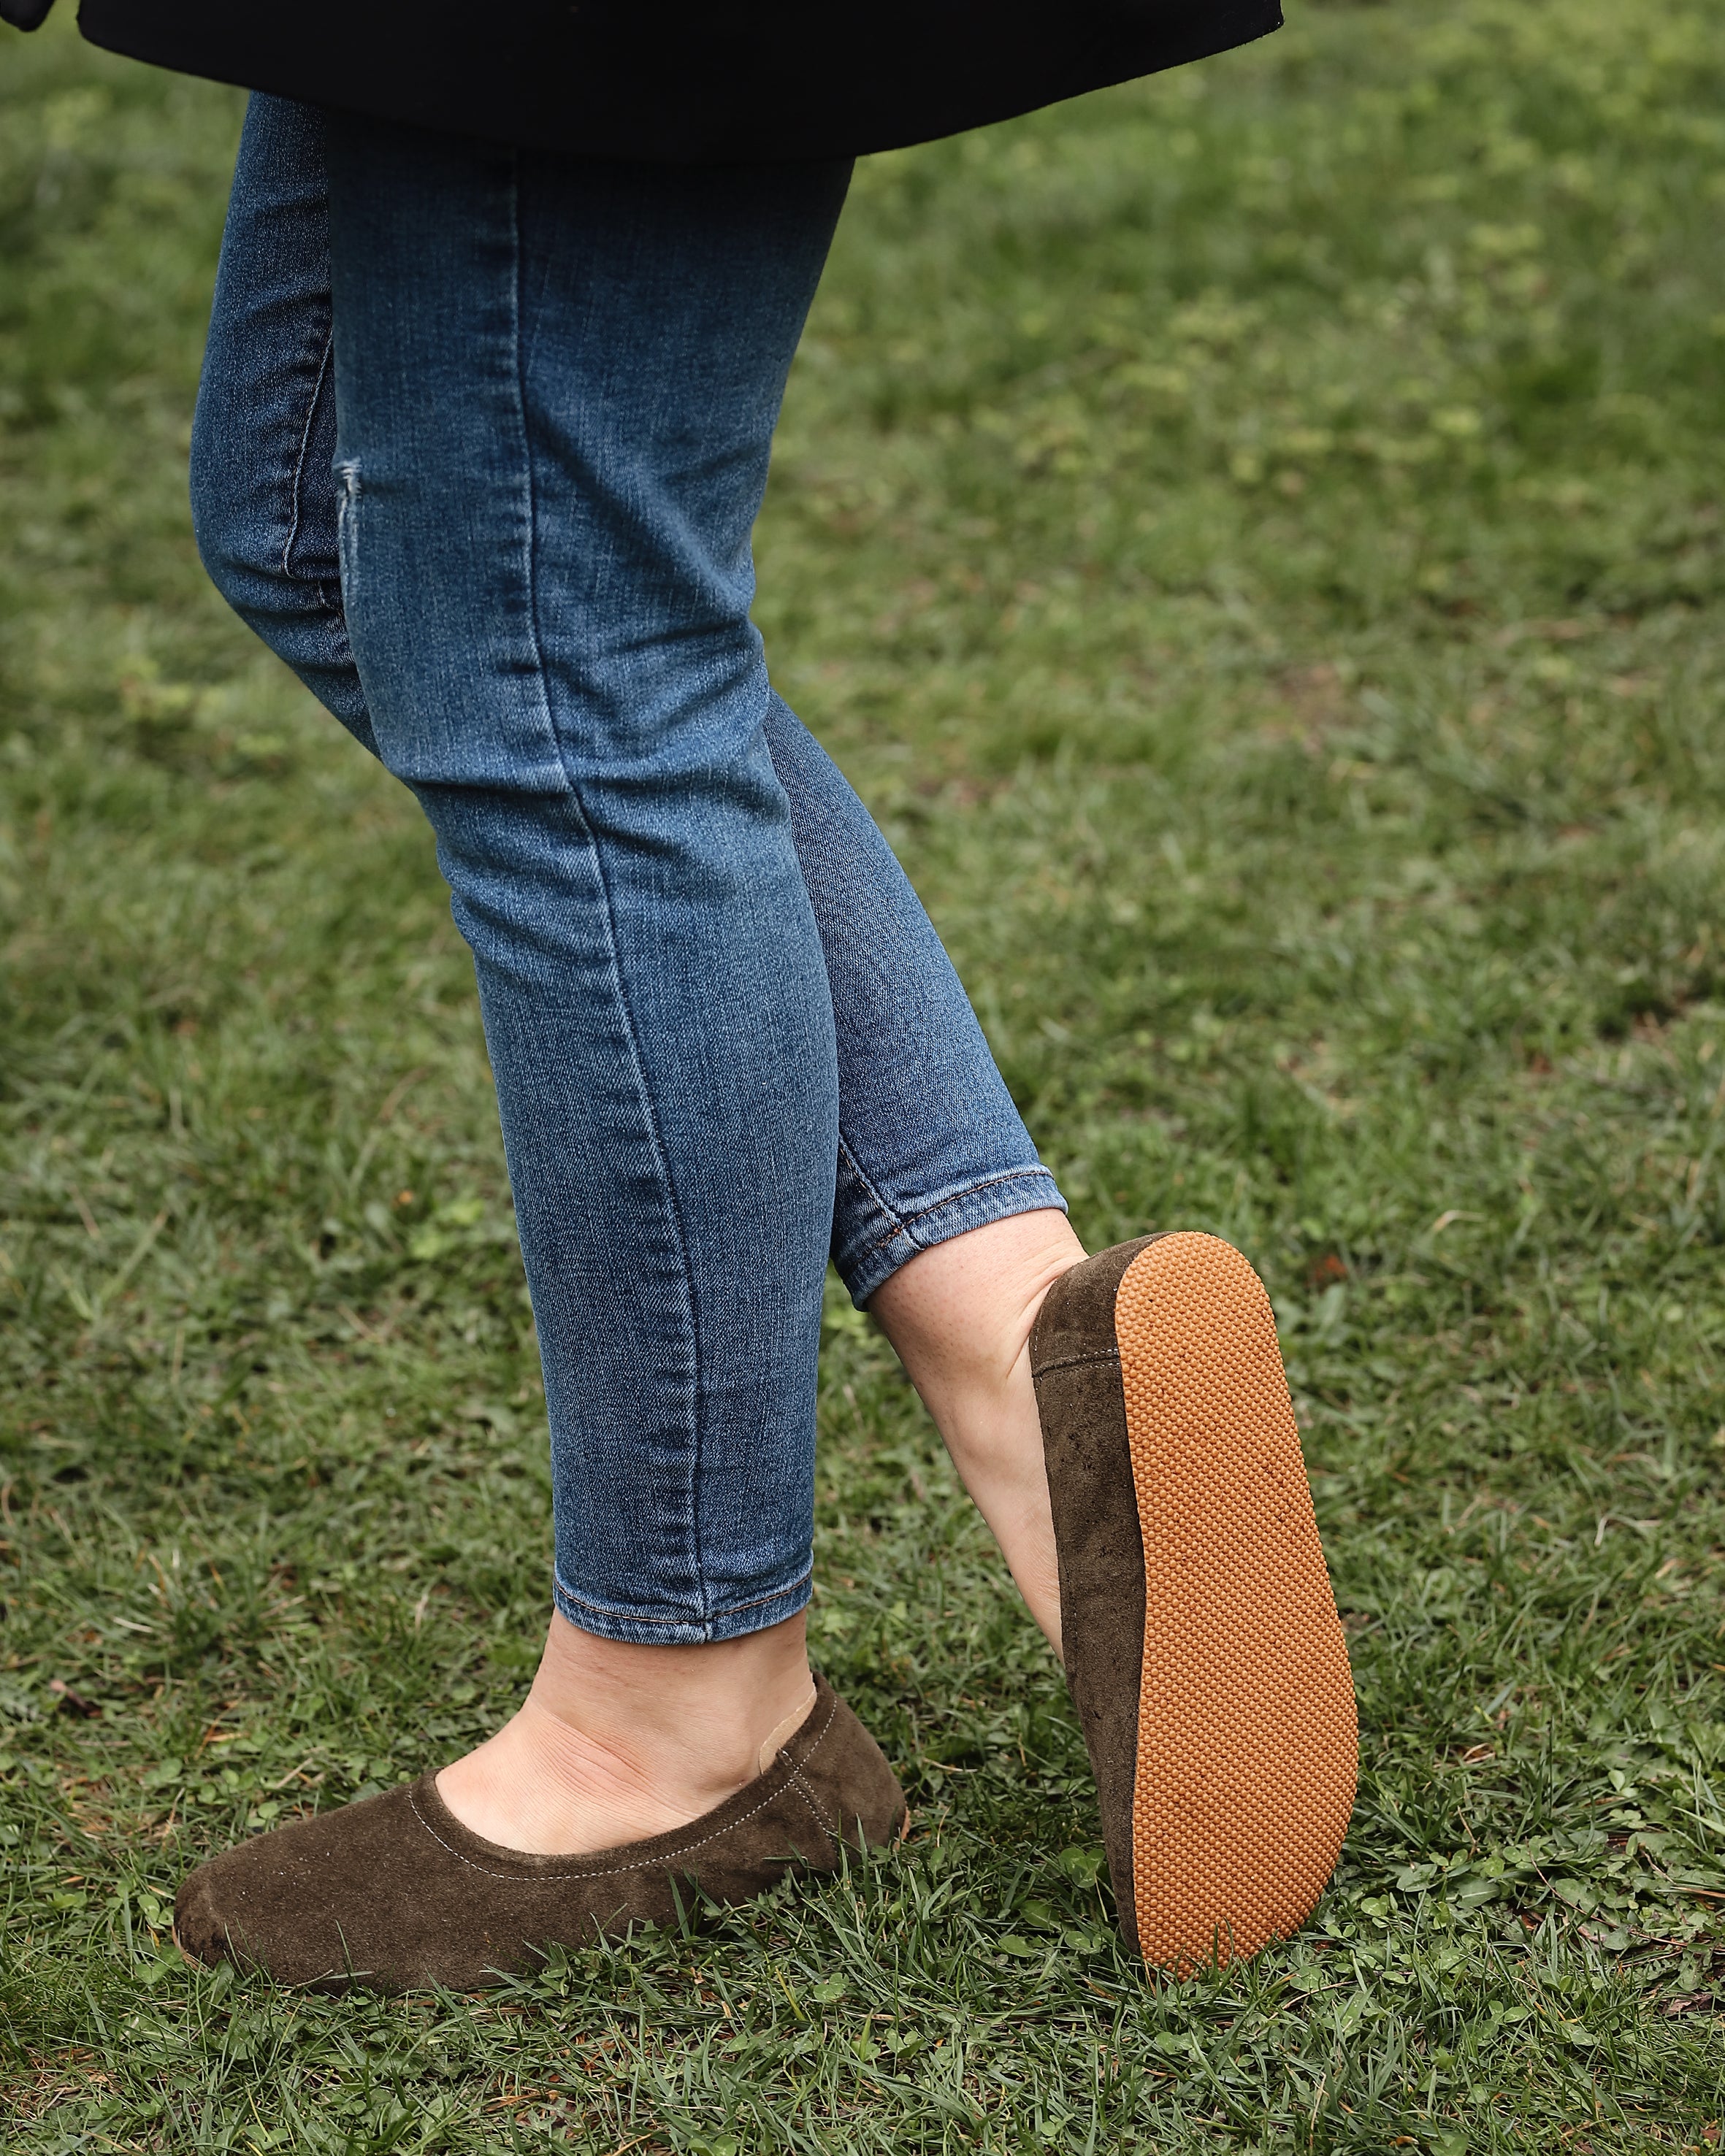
(825, 1726)
(611, 1871)
(1078, 1362)
(794, 1787)
(642, 1864)
(807, 1794)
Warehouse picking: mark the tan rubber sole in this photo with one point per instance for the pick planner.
(1247, 1737)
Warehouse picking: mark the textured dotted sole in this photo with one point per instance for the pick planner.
(1248, 1739)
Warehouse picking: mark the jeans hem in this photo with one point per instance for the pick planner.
(643, 1629)
(996, 1198)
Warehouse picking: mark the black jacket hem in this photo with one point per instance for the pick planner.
(671, 82)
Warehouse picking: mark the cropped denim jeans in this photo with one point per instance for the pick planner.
(480, 444)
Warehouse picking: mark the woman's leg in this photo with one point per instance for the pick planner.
(556, 384)
(931, 1149)
(930, 1145)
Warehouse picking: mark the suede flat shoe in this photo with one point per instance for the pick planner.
(393, 1893)
(1202, 1648)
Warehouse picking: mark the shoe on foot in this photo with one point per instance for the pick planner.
(1201, 1644)
(393, 1893)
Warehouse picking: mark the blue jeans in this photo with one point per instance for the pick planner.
(480, 444)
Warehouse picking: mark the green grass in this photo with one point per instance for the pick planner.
(1255, 538)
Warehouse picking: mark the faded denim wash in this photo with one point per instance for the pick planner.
(480, 444)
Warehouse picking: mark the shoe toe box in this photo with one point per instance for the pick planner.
(351, 1893)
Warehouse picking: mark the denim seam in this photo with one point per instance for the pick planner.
(855, 1168)
(642, 1864)
(902, 1222)
(731, 1609)
(986, 1183)
(644, 1092)
(299, 470)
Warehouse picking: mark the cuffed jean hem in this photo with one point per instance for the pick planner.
(882, 1240)
(682, 1631)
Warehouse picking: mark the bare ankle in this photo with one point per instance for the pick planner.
(616, 1742)
(711, 1705)
(960, 1313)
(960, 1316)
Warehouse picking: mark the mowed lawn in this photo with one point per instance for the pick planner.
(1255, 539)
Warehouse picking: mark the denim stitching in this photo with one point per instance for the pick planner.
(988, 1181)
(299, 470)
(627, 1617)
(850, 1157)
(642, 1864)
(901, 1223)
(644, 1092)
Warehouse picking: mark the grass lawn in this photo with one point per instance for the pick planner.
(1255, 539)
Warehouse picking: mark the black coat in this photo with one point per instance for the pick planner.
(666, 80)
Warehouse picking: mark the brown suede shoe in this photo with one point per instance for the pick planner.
(394, 1893)
(1202, 1648)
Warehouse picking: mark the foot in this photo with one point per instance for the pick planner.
(959, 1317)
(397, 1891)
(617, 1742)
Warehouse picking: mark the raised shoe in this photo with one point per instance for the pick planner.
(1202, 1643)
